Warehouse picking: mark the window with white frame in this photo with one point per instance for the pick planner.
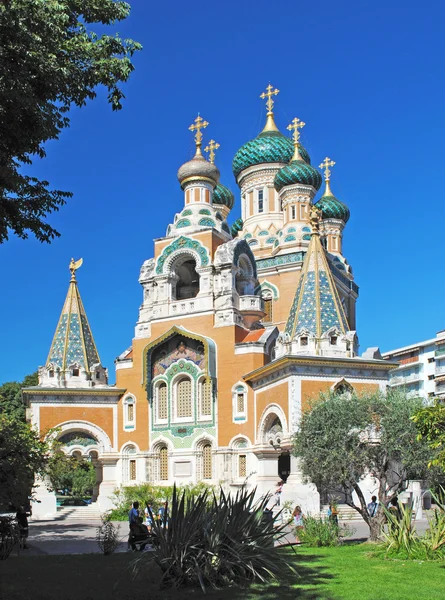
(129, 413)
(207, 461)
(163, 463)
(293, 212)
(161, 410)
(240, 459)
(184, 398)
(205, 398)
(260, 201)
(239, 397)
(129, 471)
(302, 211)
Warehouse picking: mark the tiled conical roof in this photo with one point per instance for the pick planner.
(73, 342)
(316, 307)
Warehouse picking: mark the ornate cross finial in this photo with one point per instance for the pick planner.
(268, 94)
(74, 265)
(198, 124)
(294, 126)
(210, 148)
(325, 165)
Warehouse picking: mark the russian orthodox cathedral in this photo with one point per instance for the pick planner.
(239, 329)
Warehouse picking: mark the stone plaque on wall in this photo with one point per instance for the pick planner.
(182, 468)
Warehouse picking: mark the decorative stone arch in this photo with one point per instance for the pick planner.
(104, 442)
(267, 287)
(271, 413)
(230, 252)
(207, 343)
(204, 448)
(127, 446)
(181, 246)
(202, 440)
(159, 471)
(238, 438)
(342, 387)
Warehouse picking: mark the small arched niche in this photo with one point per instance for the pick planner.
(187, 278)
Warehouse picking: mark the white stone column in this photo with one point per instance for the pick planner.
(108, 485)
(45, 504)
(295, 491)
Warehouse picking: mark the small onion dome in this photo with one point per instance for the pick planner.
(267, 147)
(198, 169)
(236, 227)
(297, 171)
(332, 208)
(222, 195)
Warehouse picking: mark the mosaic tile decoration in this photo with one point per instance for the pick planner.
(222, 195)
(73, 341)
(266, 263)
(332, 208)
(204, 211)
(183, 223)
(316, 307)
(236, 227)
(297, 171)
(267, 147)
(207, 223)
(183, 243)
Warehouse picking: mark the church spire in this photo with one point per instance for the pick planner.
(73, 352)
(316, 312)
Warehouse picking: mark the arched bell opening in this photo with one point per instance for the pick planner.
(187, 278)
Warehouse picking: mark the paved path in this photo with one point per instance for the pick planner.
(59, 537)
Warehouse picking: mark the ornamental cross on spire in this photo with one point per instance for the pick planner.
(210, 148)
(268, 94)
(325, 165)
(294, 126)
(198, 124)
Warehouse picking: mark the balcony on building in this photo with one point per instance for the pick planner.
(251, 307)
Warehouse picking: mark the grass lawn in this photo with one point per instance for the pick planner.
(345, 573)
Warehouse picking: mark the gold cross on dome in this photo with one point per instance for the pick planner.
(210, 148)
(294, 126)
(268, 94)
(325, 165)
(198, 124)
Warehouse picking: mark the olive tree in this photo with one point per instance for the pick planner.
(345, 437)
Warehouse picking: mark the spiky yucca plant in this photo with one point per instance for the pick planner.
(107, 536)
(220, 543)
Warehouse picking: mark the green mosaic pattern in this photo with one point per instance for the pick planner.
(183, 223)
(186, 213)
(181, 244)
(207, 223)
(297, 171)
(268, 147)
(236, 227)
(264, 232)
(332, 208)
(266, 263)
(182, 442)
(222, 195)
(290, 238)
(204, 211)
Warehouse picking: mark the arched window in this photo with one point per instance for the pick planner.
(205, 398)
(240, 458)
(129, 472)
(343, 387)
(163, 463)
(129, 413)
(187, 284)
(184, 406)
(239, 402)
(207, 461)
(268, 308)
(244, 278)
(162, 404)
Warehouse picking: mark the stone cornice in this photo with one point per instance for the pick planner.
(91, 392)
(319, 366)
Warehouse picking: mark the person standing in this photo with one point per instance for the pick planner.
(22, 520)
(333, 513)
(373, 506)
(148, 515)
(298, 518)
(133, 522)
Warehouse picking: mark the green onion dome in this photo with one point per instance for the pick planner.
(297, 171)
(236, 227)
(332, 208)
(222, 195)
(267, 147)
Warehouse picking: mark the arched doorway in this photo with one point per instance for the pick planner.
(284, 466)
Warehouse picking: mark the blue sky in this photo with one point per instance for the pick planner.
(365, 76)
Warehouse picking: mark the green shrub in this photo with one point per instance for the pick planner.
(216, 543)
(155, 494)
(321, 531)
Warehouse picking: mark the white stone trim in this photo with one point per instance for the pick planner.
(104, 441)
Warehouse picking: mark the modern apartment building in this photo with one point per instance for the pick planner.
(422, 367)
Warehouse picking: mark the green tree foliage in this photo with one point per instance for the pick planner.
(343, 438)
(22, 455)
(430, 424)
(11, 401)
(67, 472)
(50, 60)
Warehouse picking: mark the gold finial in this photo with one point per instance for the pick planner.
(74, 265)
(294, 126)
(270, 123)
(327, 174)
(198, 124)
(314, 219)
(210, 148)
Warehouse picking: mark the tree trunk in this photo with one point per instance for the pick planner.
(376, 526)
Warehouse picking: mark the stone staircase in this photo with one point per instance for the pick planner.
(79, 514)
